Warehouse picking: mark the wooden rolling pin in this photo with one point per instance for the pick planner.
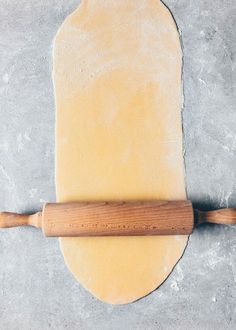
(118, 218)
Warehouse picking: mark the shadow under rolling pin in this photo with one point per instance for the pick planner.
(118, 218)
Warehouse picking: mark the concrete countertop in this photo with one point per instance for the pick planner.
(36, 289)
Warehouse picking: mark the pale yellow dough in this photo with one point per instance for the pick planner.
(117, 78)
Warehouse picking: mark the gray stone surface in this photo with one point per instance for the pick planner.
(36, 289)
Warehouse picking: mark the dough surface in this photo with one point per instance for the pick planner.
(117, 80)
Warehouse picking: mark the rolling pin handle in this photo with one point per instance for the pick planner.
(9, 220)
(225, 216)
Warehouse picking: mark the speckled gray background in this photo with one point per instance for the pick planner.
(36, 289)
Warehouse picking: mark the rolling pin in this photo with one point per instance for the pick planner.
(118, 218)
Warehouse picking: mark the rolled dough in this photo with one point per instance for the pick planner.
(117, 78)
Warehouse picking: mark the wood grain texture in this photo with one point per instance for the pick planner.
(118, 218)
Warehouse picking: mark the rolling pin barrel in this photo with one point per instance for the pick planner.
(118, 218)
